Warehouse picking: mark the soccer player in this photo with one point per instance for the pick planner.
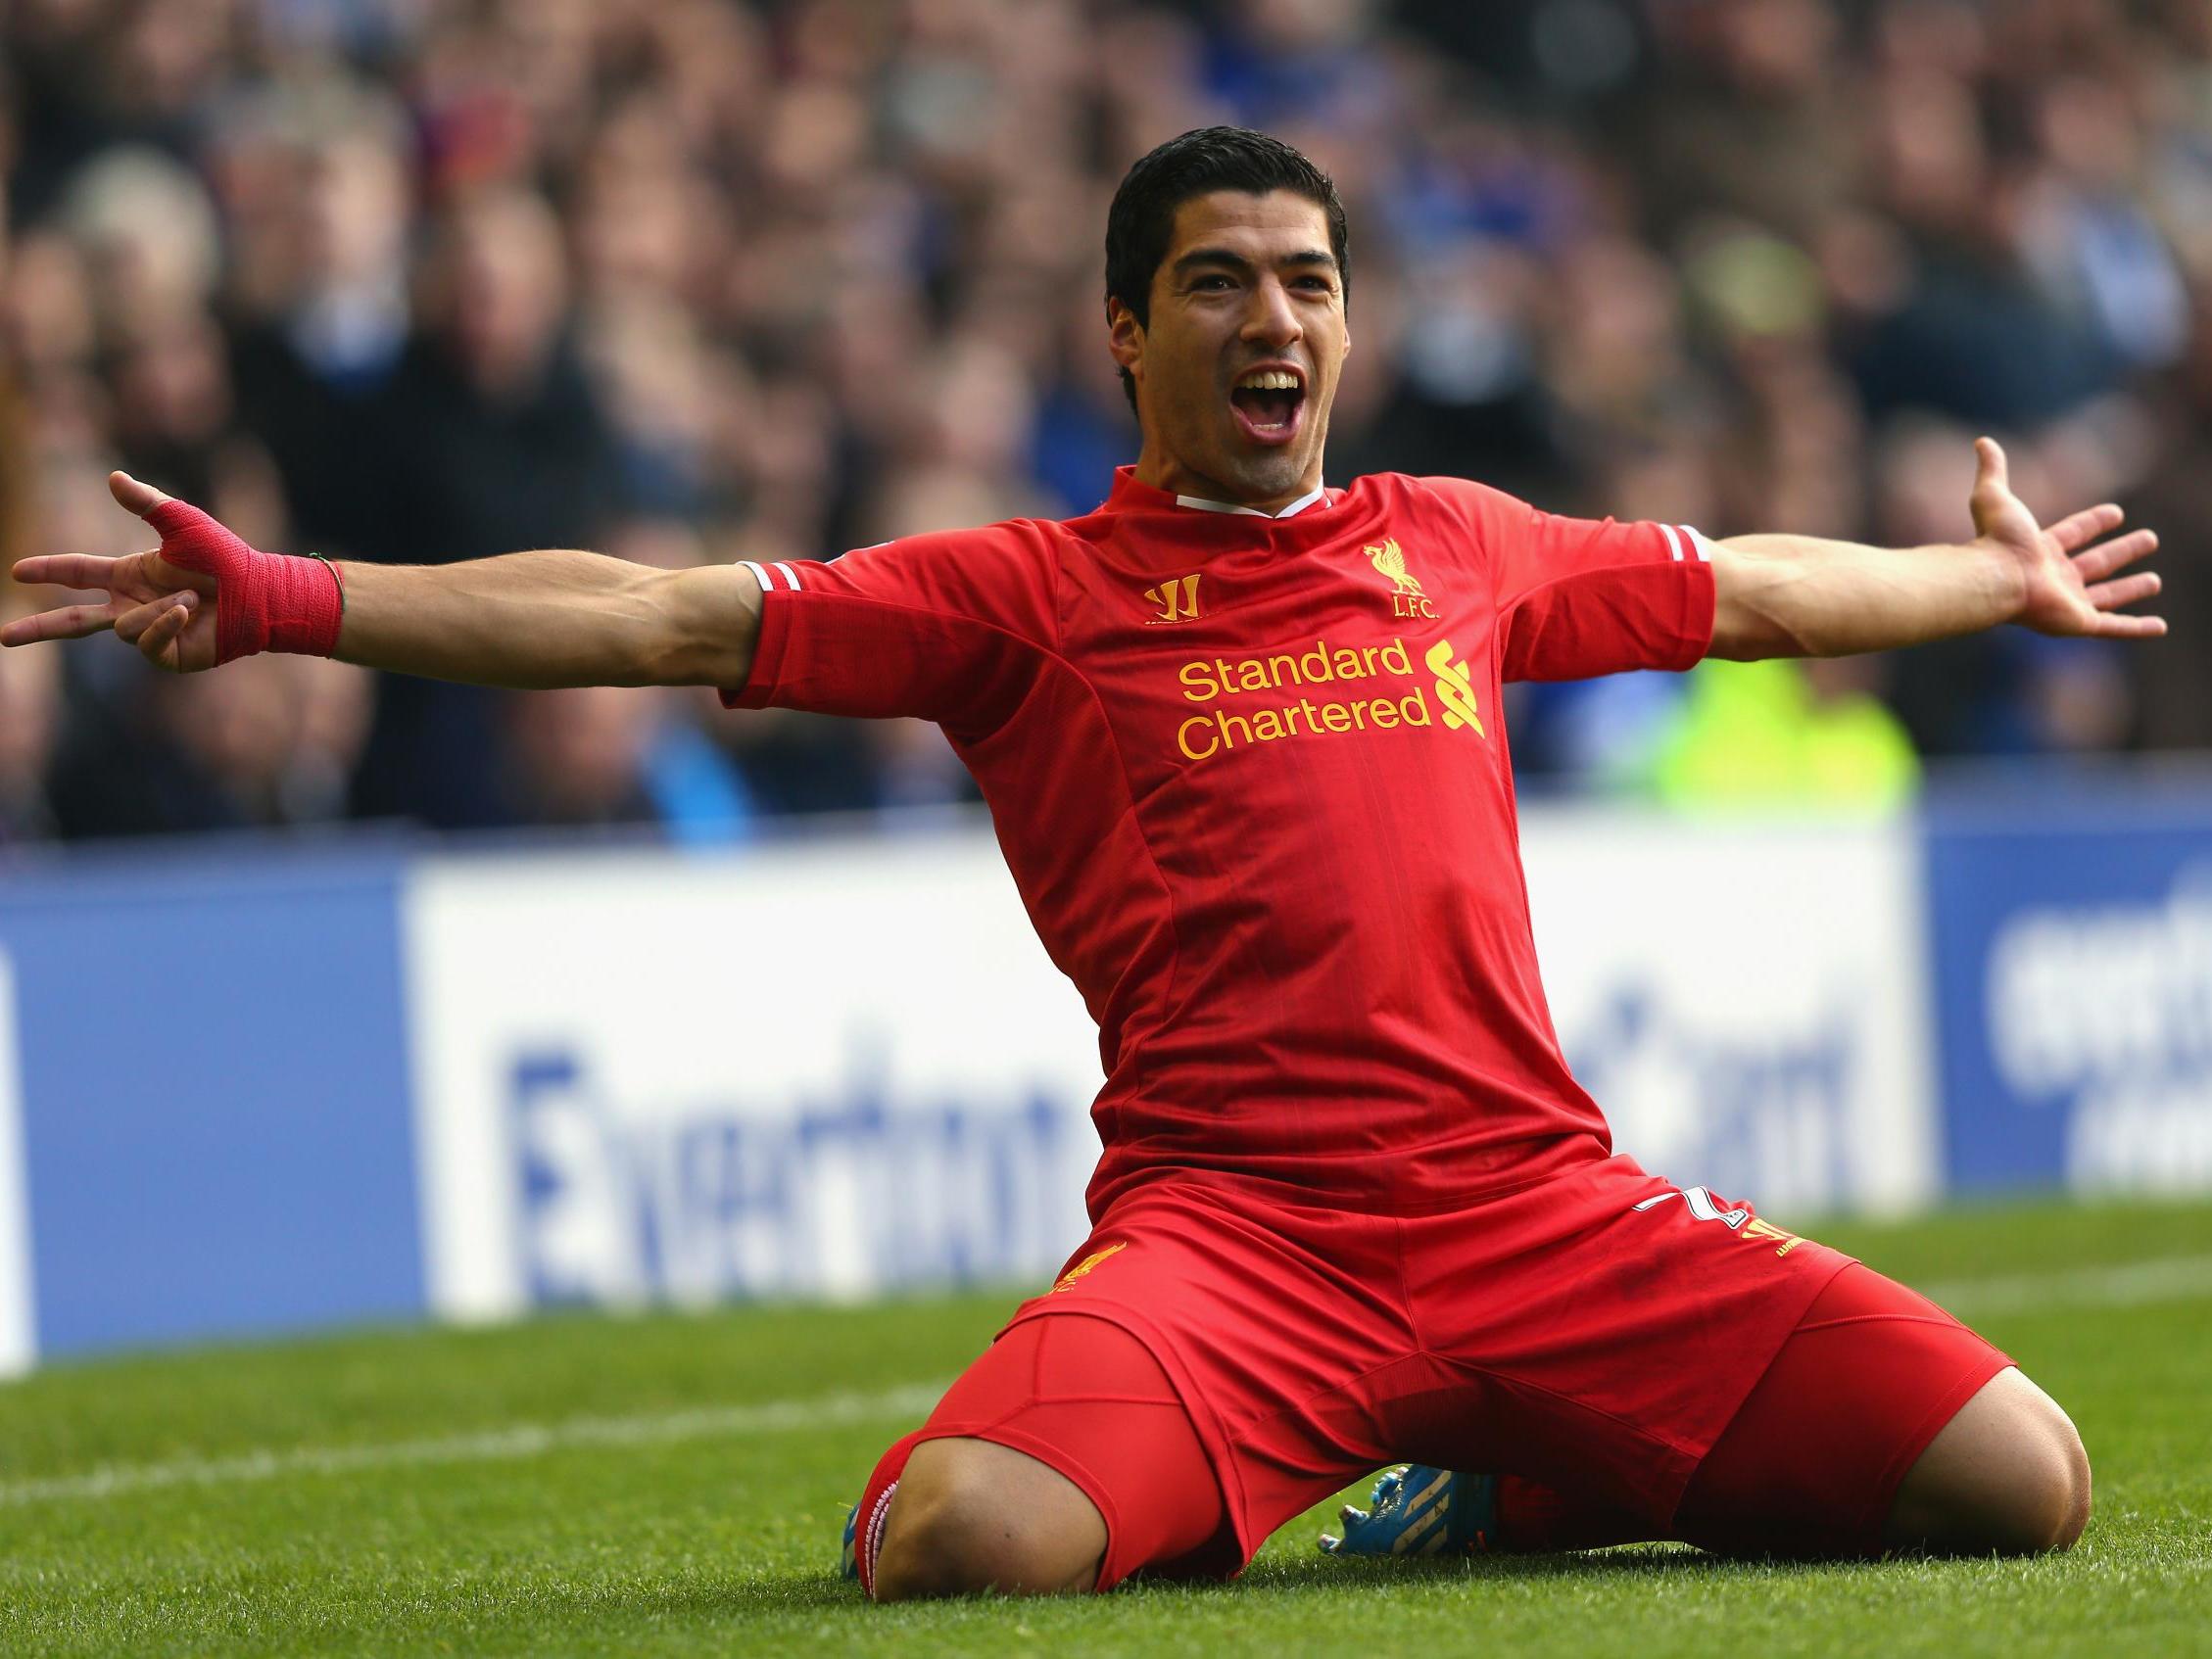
(1240, 736)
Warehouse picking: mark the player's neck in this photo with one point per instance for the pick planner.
(1163, 471)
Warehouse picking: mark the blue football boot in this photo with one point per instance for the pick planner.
(1419, 1510)
(848, 1560)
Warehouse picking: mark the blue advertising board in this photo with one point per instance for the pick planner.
(251, 1089)
(2072, 967)
(213, 1086)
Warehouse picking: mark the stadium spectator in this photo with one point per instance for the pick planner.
(320, 198)
(2174, 682)
(196, 758)
(29, 711)
(796, 277)
(1785, 735)
(14, 489)
(488, 434)
(578, 756)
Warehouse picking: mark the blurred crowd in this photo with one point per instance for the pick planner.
(696, 280)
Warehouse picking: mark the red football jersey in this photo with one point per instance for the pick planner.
(1250, 775)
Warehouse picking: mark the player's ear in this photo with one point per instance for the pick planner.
(1124, 335)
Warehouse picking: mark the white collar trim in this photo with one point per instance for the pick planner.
(1203, 506)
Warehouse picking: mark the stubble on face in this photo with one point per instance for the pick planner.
(1248, 282)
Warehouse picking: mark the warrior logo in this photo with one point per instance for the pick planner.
(1178, 599)
(1406, 599)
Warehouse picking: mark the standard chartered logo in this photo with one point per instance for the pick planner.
(1347, 706)
(1455, 688)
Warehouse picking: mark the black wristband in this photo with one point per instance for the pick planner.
(331, 565)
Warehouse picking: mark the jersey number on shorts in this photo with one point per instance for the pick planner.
(1700, 1203)
(1737, 1220)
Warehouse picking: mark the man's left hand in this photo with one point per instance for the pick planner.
(2067, 572)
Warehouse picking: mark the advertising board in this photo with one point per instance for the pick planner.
(807, 1070)
(248, 1090)
(1746, 1000)
(211, 1084)
(2074, 985)
(19, 1329)
(837, 1069)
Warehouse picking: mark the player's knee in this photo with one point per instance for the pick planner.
(2066, 1491)
(2008, 1475)
(2045, 1489)
(959, 1525)
(929, 1546)
(949, 1538)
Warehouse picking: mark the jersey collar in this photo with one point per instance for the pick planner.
(1129, 492)
(1299, 505)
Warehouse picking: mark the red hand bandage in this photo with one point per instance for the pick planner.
(267, 602)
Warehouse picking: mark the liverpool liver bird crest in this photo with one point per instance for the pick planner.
(1407, 598)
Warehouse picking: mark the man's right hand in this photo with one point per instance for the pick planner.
(528, 621)
(167, 612)
(165, 601)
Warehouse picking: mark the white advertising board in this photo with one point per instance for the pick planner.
(837, 1068)
(19, 1325)
(813, 1071)
(1746, 1001)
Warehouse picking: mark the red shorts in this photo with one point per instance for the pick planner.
(1596, 1331)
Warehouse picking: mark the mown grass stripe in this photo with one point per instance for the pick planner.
(2131, 1284)
(2124, 1285)
(516, 1441)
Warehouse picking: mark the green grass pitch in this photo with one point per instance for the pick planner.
(674, 1485)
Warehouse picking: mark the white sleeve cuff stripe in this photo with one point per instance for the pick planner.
(767, 584)
(1697, 541)
(1673, 542)
(790, 575)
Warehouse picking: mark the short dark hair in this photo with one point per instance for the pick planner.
(1141, 222)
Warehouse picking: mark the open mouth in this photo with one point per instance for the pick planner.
(1269, 403)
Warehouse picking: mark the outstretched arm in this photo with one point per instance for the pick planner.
(525, 620)
(553, 618)
(1800, 596)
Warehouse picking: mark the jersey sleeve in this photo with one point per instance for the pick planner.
(946, 627)
(1578, 598)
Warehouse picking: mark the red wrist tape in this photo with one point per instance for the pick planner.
(266, 601)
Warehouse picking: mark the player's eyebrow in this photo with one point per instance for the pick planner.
(1243, 267)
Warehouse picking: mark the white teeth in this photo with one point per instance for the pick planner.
(1269, 380)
